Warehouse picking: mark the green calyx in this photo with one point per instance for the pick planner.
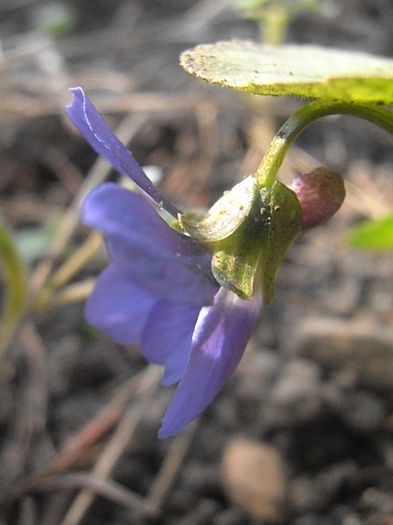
(236, 258)
(248, 248)
(225, 216)
(283, 223)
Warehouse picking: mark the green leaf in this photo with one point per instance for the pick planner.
(282, 215)
(299, 70)
(225, 216)
(374, 234)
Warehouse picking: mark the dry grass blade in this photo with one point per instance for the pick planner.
(74, 293)
(106, 488)
(98, 173)
(100, 170)
(116, 444)
(82, 441)
(97, 427)
(77, 260)
(170, 467)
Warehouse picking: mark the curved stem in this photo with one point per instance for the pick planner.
(291, 129)
(16, 288)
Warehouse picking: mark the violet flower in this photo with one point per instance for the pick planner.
(158, 289)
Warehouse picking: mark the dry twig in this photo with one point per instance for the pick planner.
(170, 467)
(108, 489)
(116, 445)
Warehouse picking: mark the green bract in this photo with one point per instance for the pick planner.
(300, 70)
(374, 235)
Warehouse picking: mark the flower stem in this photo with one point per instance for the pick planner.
(291, 129)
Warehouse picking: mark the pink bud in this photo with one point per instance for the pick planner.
(320, 193)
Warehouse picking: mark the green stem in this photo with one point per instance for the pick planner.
(291, 129)
(16, 288)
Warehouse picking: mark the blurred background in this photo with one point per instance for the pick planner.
(302, 433)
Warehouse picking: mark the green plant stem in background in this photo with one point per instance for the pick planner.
(291, 129)
(16, 288)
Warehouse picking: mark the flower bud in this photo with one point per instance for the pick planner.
(320, 193)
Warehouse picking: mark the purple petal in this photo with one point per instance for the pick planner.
(146, 249)
(89, 122)
(119, 307)
(219, 340)
(166, 339)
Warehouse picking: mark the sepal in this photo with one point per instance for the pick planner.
(281, 215)
(259, 245)
(225, 216)
(235, 259)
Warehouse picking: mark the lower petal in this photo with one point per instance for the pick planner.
(118, 306)
(167, 337)
(220, 337)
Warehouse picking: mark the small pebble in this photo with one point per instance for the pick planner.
(362, 411)
(254, 478)
(295, 397)
(363, 347)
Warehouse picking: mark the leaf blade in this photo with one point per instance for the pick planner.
(294, 70)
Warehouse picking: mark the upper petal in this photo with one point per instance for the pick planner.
(146, 249)
(219, 340)
(118, 306)
(89, 122)
(167, 336)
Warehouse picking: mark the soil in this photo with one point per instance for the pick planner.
(314, 392)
